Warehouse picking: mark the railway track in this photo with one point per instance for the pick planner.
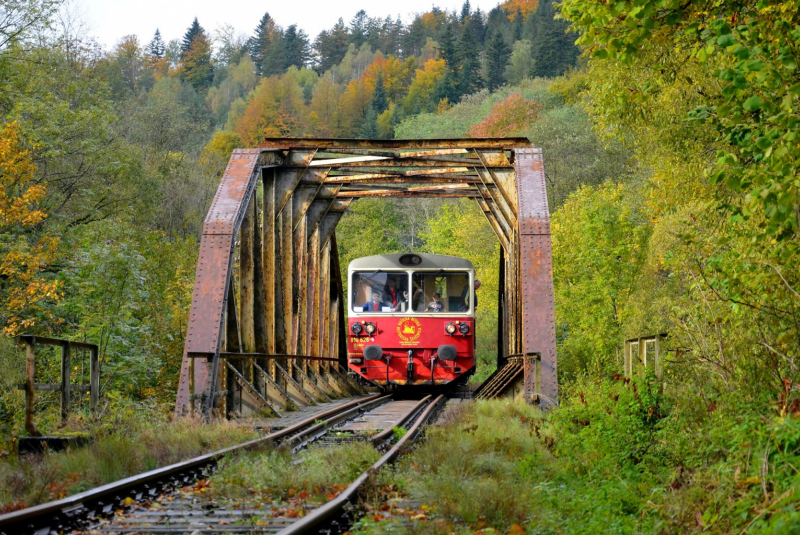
(161, 501)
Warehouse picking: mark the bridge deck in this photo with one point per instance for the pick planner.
(380, 418)
(294, 417)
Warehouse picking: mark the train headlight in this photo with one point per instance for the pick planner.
(450, 328)
(370, 328)
(356, 328)
(463, 328)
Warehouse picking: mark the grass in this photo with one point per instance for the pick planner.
(318, 474)
(604, 462)
(127, 441)
(466, 475)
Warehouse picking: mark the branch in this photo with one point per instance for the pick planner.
(785, 357)
(784, 280)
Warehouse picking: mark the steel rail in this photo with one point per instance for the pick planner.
(334, 508)
(380, 439)
(68, 509)
(321, 428)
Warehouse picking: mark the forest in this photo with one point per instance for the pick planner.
(669, 133)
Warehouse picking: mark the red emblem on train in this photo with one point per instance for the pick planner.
(409, 330)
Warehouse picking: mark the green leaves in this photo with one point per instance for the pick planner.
(753, 103)
(742, 53)
(722, 79)
(726, 40)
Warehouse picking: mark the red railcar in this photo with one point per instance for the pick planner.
(411, 319)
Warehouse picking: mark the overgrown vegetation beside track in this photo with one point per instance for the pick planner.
(318, 474)
(617, 457)
(132, 438)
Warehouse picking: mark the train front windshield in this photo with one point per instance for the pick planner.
(379, 291)
(430, 292)
(441, 292)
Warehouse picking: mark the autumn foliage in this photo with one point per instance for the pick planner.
(524, 7)
(21, 261)
(509, 117)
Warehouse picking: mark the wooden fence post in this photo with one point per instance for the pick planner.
(94, 379)
(66, 365)
(30, 373)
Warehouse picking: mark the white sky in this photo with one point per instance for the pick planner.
(109, 20)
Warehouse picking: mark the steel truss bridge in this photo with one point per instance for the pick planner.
(267, 326)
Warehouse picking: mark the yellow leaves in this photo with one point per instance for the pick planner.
(397, 76)
(22, 262)
(275, 108)
(325, 108)
(222, 144)
(17, 197)
(424, 83)
(432, 19)
(385, 120)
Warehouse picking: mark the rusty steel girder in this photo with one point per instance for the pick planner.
(266, 325)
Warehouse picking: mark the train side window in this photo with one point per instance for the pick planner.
(452, 289)
(390, 288)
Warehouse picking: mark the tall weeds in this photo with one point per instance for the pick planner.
(127, 441)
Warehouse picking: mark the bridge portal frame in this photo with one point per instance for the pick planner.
(268, 280)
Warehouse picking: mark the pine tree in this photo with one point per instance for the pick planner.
(359, 29)
(469, 75)
(157, 47)
(516, 26)
(553, 49)
(497, 56)
(369, 129)
(274, 61)
(379, 99)
(378, 104)
(196, 66)
(331, 46)
(296, 48)
(194, 30)
(466, 11)
(478, 26)
(261, 41)
(447, 86)
(374, 33)
(447, 47)
(391, 34)
(414, 38)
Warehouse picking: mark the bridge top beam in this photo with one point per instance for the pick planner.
(508, 143)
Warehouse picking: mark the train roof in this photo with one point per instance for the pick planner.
(427, 261)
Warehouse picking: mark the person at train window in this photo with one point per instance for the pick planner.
(393, 294)
(436, 305)
(418, 299)
(376, 305)
(465, 305)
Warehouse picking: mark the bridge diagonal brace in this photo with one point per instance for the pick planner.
(273, 391)
(250, 398)
(293, 388)
(322, 384)
(309, 385)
